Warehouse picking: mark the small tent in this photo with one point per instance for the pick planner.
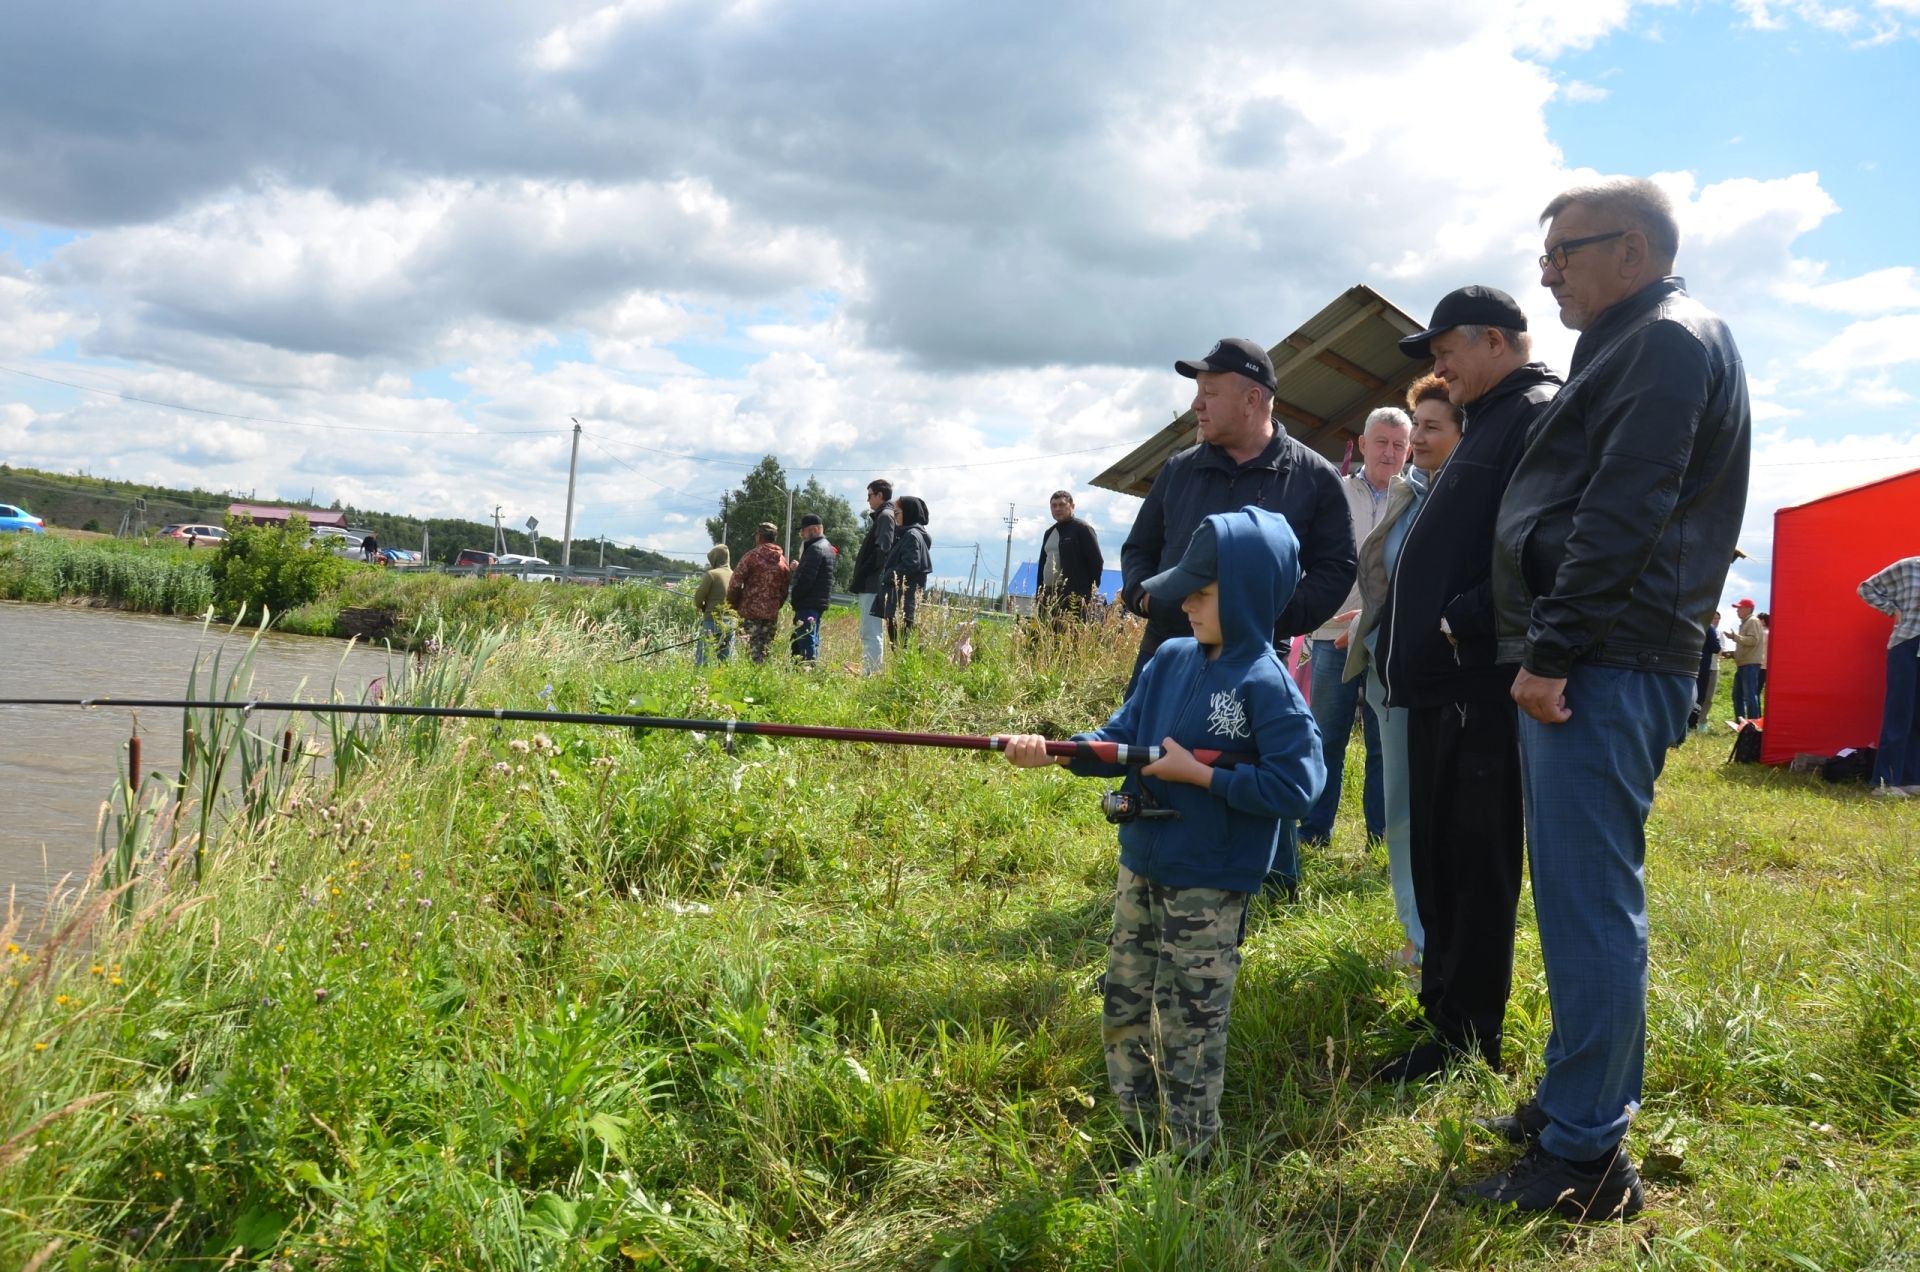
(1827, 666)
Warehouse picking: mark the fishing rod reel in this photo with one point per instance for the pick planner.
(1124, 806)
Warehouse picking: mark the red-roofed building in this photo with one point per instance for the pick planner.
(267, 515)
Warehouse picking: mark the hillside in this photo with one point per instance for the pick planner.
(81, 502)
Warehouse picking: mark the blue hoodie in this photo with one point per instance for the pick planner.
(1243, 701)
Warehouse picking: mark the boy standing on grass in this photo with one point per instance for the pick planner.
(1209, 836)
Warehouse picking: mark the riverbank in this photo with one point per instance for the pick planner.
(522, 997)
(370, 602)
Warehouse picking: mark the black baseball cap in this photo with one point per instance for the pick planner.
(1233, 354)
(1199, 566)
(811, 519)
(1467, 307)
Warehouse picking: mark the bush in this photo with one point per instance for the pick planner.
(274, 568)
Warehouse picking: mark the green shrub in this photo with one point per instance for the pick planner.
(275, 568)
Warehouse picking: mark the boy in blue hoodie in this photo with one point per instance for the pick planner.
(1181, 901)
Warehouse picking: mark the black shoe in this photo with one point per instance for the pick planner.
(1421, 1063)
(1540, 1183)
(1522, 1126)
(1277, 889)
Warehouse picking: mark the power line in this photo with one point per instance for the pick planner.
(262, 419)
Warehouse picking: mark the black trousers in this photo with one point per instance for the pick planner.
(1466, 848)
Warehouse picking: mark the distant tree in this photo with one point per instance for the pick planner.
(761, 497)
(272, 567)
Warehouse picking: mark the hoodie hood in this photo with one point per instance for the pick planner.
(718, 556)
(1259, 568)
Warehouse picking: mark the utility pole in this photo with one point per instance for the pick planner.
(787, 533)
(726, 515)
(603, 551)
(1006, 570)
(499, 535)
(566, 529)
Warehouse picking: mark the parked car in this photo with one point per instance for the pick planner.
(193, 533)
(15, 519)
(472, 557)
(520, 564)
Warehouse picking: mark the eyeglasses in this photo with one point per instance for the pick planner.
(1557, 254)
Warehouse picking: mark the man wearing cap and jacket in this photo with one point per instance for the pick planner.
(811, 589)
(1243, 459)
(1437, 657)
(1749, 654)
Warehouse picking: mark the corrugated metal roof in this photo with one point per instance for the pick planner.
(1341, 363)
(267, 514)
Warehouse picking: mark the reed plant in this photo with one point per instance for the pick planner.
(512, 996)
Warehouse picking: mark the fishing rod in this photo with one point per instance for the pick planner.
(1105, 752)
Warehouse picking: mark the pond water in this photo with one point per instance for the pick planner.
(58, 764)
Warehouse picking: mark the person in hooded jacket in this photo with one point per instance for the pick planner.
(909, 564)
(710, 602)
(869, 566)
(1437, 656)
(1180, 900)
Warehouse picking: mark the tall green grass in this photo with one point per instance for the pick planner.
(514, 997)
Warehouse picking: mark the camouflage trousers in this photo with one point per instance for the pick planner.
(759, 633)
(1171, 965)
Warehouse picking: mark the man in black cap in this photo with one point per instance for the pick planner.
(1437, 657)
(1243, 459)
(812, 587)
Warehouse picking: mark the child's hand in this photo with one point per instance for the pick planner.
(1026, 750)
(1176, 764)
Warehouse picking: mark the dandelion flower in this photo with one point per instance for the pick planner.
(39, 1046)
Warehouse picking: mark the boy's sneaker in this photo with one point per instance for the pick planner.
(1419, 1063)
(1541, 1183)
(1522, 1126)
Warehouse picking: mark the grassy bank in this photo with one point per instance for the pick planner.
(132, 575)
(517, 998)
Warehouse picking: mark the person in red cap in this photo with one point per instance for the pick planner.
(1749, 654)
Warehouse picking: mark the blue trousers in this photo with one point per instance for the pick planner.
(1334, 704)
(1396, 795)
(1588, 785)
(1746, 692)
(805, 641)
(1897, 762)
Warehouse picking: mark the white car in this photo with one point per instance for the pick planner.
(517, 564)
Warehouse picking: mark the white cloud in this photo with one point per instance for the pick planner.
(1869, 345)
(1881, 291)
(1581, 91)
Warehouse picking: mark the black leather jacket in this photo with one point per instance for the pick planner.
(1615, 535)
(1445, 565)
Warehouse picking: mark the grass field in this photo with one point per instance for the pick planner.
(504, 997)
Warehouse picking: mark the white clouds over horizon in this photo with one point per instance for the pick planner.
(888, 243)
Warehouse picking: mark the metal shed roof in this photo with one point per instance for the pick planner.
(1341, 364)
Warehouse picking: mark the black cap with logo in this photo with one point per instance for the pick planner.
(1467, 307)
(1233, 354)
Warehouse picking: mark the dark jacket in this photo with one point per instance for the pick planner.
(871, 560)
(1619, 523)
(1080, 559)
(1242, 701)
(1446, 565)
(812, 583)
(1286, 478)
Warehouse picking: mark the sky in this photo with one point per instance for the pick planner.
(386, 254)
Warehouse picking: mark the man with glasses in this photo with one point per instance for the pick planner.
(1612, 540)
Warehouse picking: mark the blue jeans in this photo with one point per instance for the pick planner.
(1897, 761)
(1334, 702)
(1395, 792)
(805, 641)
(1746, 692)
(1588, 786)
(716, 640)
